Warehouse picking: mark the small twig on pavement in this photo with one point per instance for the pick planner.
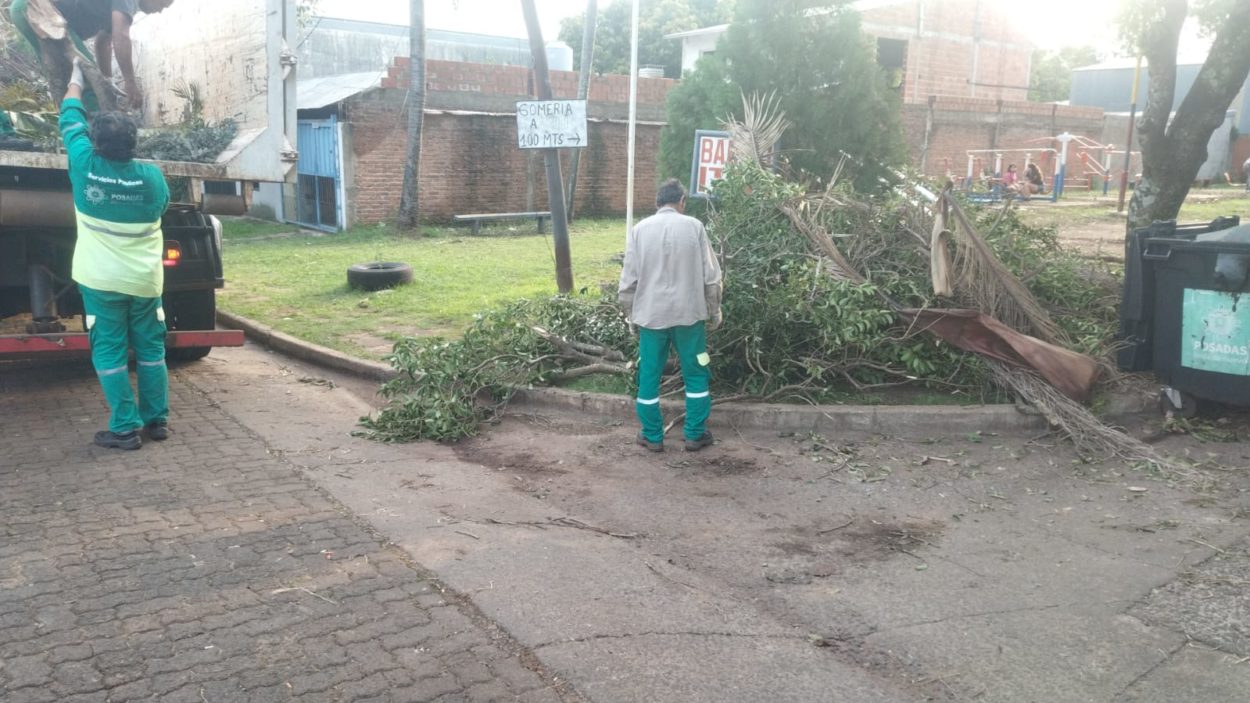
(467, 534)
(666, 577)
(570, 522)
(276, 591)
(1208, 546)
(834, 529)
(563, 522)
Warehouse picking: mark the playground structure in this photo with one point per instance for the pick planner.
(1097, 162)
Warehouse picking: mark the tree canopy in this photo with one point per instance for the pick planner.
(824, 72)
(1051, 77)
(1174, 147)
(656, 18)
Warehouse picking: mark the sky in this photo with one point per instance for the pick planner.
(1050, 23)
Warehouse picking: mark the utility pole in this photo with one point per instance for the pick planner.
(583, 91)
(555, 185)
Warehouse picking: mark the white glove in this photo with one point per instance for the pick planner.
(75, 77)
(716, 321)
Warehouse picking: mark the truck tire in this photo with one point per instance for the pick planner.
(190, 310)
(378, 275)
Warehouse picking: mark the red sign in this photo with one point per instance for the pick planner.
(711, 155)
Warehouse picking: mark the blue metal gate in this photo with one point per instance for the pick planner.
(317, 174)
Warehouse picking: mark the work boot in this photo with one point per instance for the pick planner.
(651, 446)
(694, 445)
(158, 431)
(112, 440)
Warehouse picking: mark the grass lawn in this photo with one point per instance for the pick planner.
(295, 280)
(1081, 208)
(298, 284)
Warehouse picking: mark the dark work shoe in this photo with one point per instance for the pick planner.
(694, 445)
(112, 440)
(651, 446)
(158, 431)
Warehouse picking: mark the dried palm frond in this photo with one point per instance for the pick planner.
(940, 266)
(754, 139)
(993, 289)
(821, 242)
(1093, 439)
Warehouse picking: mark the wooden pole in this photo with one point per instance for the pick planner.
(1128, 145)
(555, 184)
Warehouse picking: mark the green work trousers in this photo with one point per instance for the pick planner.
(653, 350)
(117, 322)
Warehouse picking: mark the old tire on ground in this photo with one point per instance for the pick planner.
(378, 275)
(190, 310)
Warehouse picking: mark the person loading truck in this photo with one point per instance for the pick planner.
(118, 203)
(106, 21)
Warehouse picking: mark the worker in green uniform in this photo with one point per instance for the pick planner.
(118, 265)
(671, 290)
(107, 22)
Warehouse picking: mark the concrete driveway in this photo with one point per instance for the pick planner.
(572, 564)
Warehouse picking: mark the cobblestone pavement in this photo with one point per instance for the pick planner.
(205, 569)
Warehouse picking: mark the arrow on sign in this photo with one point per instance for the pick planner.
(575, 139)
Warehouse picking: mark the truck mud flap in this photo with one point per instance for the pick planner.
(23, 344)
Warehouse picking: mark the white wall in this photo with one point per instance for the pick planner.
(694, 47)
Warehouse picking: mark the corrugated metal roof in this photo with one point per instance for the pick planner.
(1121, 63)
(315, 93)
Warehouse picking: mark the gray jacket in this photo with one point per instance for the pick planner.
(670, 277)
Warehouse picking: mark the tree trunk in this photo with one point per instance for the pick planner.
(410, 197)
(1173, 153)
(583, 90)
(555, 185)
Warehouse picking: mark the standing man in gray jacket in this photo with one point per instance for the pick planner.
(671, 290)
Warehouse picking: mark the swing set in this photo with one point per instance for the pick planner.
(1101, 163)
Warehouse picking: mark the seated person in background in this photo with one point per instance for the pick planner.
(1011, 180)
(1033, 183)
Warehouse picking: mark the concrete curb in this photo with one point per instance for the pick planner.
(305, 351)
(892, 420)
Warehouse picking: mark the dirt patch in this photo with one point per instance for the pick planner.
(874, 540)
(480, 451)
(567, 427)
(721, 466)
(795, 548)
(376, 346)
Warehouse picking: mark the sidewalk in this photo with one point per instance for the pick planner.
(206, 569)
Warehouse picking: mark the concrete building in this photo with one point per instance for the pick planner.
(1109, 85)
(950, 48)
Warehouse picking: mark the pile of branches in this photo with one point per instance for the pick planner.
(817, 289)
(447, 388)
(193, 139)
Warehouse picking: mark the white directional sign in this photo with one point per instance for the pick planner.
(551, 124)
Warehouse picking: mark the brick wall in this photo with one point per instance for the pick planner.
(489, 79)
(469, 160)
(956, 125)
(941, 50)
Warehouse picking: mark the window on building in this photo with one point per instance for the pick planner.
(892, 56)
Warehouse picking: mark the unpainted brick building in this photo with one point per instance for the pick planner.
(470, 161)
